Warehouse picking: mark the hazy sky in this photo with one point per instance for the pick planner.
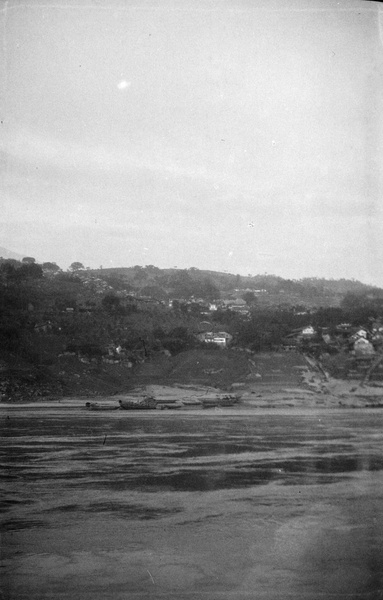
(239, 135)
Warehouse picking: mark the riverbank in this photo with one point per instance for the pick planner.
(265, 380)
(318, 394)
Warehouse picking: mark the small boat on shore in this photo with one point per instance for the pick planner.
(209, 403)
(100, 406)
(170, 406)
(226, 400)
(146, 403)
(166, 400)
(191, 402)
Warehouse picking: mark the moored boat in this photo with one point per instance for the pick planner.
(146, 403)
(170, 406)
(191, 402)
(226, 400)
(98, 406)
(166, 400)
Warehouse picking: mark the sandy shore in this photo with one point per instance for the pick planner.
(314, 391)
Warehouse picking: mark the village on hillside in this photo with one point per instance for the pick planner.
(75, 331)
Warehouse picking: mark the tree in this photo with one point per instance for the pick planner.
(250, 298)
(154, 291)
(359, 307)
(50, 268)
(185, 286)
(29, 271)
(8, 272)
(208, 290)
(151, 269)
(76, 266)
(140, 273)
(111, 303)
(117, 283)
(177, 340)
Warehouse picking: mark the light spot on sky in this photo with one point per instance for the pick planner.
(123, 84)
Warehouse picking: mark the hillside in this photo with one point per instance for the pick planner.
(103, 331)
(269, 290)
(6, 254)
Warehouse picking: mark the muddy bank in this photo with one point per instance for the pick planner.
(333, 394)
(211, 368)
(266, 380)
(313, 392)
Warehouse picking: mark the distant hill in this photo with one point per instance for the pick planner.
(270, 290)
(262, 290)
(5, 253)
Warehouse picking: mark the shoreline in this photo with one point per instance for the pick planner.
(317, 394)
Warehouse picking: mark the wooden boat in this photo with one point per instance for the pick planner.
(98, 406)
(226, 400)
(171, 406)
(146, 403)
(191, 402)
(166, 400)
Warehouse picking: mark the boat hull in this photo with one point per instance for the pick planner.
(146, 404)
(96, 406)
(220, 401)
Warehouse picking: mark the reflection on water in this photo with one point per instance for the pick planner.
(135, 511)
(187, 506)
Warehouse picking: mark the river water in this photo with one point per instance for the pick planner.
(211, 505)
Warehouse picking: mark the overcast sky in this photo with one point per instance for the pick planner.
(238, 135)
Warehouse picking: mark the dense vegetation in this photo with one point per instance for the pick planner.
(133, 313)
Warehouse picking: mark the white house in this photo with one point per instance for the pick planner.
(221, 338)
(363, 347)
(308, 331)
